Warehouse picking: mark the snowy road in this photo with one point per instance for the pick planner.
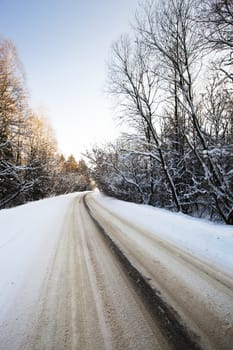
(107, 284)
(201, 295)
(87, 302)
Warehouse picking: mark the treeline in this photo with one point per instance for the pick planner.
(30, 166)
(173, 80)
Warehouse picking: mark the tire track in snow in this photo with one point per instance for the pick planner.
(87, 301)
(202, 298)
(167, 319)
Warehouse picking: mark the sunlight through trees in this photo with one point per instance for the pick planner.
(30, 166)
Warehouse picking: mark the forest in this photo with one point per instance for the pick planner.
(171, 79)
(31, 167)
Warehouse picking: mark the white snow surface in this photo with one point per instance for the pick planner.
(211, 242)
(28, 235)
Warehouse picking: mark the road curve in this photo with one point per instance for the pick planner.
(87, 300)
(199, 296)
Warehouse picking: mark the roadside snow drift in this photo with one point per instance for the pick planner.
(28, 235)
(208, 241)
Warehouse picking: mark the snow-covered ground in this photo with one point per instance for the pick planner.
(30, 229)
(28, 235)
(31, 236)
(209, 241)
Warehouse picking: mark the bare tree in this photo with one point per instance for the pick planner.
(217, 16)
(134, 79)
(13, 114)
(175, 38)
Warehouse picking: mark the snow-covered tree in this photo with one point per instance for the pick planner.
(182, 130)
(13, 115)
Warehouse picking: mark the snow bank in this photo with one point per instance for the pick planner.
(211, 242)
(28, 235)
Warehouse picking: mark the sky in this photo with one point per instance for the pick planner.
(64, 46)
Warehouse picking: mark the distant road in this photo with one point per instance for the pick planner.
(110, 285)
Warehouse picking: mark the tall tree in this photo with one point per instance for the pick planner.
(13, 114)
(175, 38)
(41, 158)
(133, 77)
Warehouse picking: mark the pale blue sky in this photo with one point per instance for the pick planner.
(63, 45)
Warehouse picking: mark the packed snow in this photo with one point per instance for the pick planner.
(29, 235)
